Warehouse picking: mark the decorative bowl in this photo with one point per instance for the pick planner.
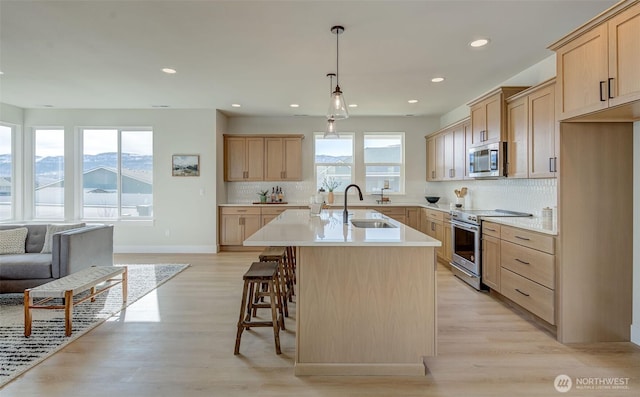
(432, 199)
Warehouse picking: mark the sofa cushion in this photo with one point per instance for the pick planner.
(53, 229)
(12, 241)
(25, 266)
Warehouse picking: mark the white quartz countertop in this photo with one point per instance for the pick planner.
(336, 205)
(296, 227)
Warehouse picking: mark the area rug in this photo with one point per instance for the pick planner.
(18, 354)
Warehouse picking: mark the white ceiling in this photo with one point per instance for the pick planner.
(266, 55)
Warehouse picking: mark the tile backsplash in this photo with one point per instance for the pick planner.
(527, 195)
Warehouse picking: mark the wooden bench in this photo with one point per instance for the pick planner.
(71, 285)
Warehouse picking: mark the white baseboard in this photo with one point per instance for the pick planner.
(635, 333)
(165, 249)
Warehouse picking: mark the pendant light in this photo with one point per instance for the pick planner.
(337, 106)
(330, 131)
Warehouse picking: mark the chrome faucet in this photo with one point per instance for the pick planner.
(345, 214)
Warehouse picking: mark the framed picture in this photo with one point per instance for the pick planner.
(186, 165)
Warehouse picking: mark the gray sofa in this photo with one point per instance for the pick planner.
(71, 250)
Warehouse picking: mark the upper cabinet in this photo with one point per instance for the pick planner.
(447, 152)
(532, 132)
(489, 116)
(263, 157)
(597, 66)
(243, 158)
(283, 158)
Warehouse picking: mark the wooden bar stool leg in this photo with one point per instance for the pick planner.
(274, 316)
(236, 351)
(282, 294)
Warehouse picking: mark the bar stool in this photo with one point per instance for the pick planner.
(279, 254)
(259, 273)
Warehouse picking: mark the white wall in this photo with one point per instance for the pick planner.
(415, 129)
(11, 114)
(635, 323)
(184, 207)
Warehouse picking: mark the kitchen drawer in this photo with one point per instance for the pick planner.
(537, 241)
(273, 211)
(434, 215)
(532, 296)
(240, 210)
(491, 229)
(446, 216)
(535, 265)
(391, 211)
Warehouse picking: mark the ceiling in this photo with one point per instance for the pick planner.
(266, 55)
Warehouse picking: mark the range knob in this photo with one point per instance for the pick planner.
(473, 218)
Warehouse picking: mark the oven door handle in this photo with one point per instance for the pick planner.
(464, 226)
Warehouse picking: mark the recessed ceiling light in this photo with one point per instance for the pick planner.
(412, 101)
(235, 105)
(437, 79)
(479, 43)
(353, 105)
(294, 105)
(169, 71)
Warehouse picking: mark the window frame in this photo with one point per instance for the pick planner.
(353, 166)
(32, 193)
(402, 163)
(14, 146)
(79, 199)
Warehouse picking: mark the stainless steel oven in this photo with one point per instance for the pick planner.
(465, 258)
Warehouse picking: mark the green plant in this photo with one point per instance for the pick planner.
(263, 192)
(330, 183)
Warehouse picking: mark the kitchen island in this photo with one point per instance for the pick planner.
(365, 296)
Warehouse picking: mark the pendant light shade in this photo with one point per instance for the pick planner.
(337, 105)
(330, 131)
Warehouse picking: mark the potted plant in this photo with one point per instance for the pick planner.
(263, 195)
(330, 183)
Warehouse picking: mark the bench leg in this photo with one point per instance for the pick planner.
(68, 311)
(28, 302)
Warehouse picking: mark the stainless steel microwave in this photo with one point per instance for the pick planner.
(488, 161)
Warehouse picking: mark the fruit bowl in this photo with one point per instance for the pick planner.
(432, 199)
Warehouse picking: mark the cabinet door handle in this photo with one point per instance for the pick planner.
(521, 261)
(523, 293)
(491, 230)
(550, 164)
(241, 221)
(522, 238)
(602, 98)
(433, 174)
(241, 210)
(610, 88)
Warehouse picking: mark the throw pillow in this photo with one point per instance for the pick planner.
(12, 241)
(53, 229)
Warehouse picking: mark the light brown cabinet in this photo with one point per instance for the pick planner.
(532, 133)
(237, 224)
(412, 217)
(527, 270)
(491, 255)
(433, 226)
(283, 158)
(597, 65)
(396, 213)
(489, 116)
(243, 158)
(447, 153)
(446, 251)
(263, 157)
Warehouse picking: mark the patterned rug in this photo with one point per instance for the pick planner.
(18, 354)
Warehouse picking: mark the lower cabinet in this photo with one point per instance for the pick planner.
(520, 265)
(396, 213)
(491, 255)
(446, 252)
(238, 223)
(432, 224)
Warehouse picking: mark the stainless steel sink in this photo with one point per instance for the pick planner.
(372, 224)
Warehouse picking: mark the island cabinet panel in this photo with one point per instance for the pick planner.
(365, 310)
(597, 65)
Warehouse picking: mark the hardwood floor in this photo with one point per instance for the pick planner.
(178, 341)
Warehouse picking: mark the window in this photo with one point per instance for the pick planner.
(384, 162)
(117, 173)
(48, 173)
(6, 171)
(334, 158)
